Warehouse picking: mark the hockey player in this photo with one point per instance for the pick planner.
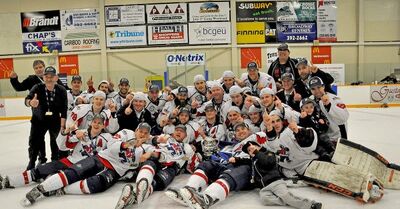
(228, 80)
(74, 93)
(312, 117)
(171, 108)
(288, 94)
(218, 99)
(154, 101)
(270, 104)
(265, 175)
(198, 94)
(255, 116)
(82, 143)
(256, 80)
(306, 72)
(120, 96)
(131, 115)
(334, 109)
(234, 117)
(233, 176)
(82, 115)
(98, 173)
(156, 174)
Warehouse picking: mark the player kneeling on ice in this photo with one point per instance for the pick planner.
(231, 176)
(82, 143)
(265, 175)
(157, 173)
(97, 173)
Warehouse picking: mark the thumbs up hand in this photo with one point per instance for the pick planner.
(297, 97)
(90, 81)
(34, 102)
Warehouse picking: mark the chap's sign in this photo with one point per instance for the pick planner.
(185, 59)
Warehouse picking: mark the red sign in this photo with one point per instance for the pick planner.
(6, 67)
(68, 64)
(250, 55)
(321, 55)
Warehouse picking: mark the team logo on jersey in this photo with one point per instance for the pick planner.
(175, 149)
(127, 156)
(283, 154)
(89, 117)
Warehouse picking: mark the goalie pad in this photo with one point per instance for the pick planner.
(344, 180)
(366, 160)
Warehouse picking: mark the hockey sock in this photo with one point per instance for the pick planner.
(218, 190)
(146, 172)
(55, 182)
(197, 180)
(21, 179)
(79, 187)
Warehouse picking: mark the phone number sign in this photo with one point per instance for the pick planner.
(297, 31)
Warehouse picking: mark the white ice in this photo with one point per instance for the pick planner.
(377, 129)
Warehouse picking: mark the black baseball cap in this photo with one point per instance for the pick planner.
(209, 106)
(283, 47)
(184, 110)
(76, 78)
(50, 70)
(252, 65)
(182, 90)
(287, 75)
(124, 81)
(315, 82)
(307, 101)
(183, 127)
(245, 146)
(302, 61)
(154, 87)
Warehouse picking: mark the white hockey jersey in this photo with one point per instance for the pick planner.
(174, 152)
(193, 94)
(264, 80)
(230, 132)
(83, 116)
(81, 149)
(337, 115)
(258, 137)
(156, 107)
(123, 160)
(215, 131)
(71, 101)
(293, 158)
(118, 99)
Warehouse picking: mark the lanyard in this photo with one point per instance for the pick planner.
(50, 96)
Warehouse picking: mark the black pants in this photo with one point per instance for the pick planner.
(37, 145)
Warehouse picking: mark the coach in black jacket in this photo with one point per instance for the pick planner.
(49, 105)
(283, 64)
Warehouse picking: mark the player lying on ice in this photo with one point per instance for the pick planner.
(157, 173)
(99, 172)
(232, 176)
(81, 144)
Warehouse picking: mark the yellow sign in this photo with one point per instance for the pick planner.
(154, 80)
(250, 32)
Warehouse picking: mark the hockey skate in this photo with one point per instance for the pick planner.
(32, 196)
(128, 196)
(4, 183)
(142, 189)
(195, 200)
(316, 205)
(175, 195)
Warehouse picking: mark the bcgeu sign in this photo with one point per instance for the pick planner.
(210, 33)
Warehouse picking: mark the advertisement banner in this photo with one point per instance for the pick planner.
(68, 64)
(78, 19)
(166, 13)
(42, 36)
(6, 67)
(255, 11)
(168, 34)
(385, 93)
(126, 36)
(2, 108)
(270, 32)
(297, 11)
(40, 21)
(37, 47)
(272, 55)
(209, 11)
(326, 20)
(321, 55)
(250, 55)
(296, 31)
(125, 15)
(78, 41)
(250, 32)
(185, 59)
(210, 33)
(337, 71)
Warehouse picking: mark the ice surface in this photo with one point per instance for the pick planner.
(378, 129)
